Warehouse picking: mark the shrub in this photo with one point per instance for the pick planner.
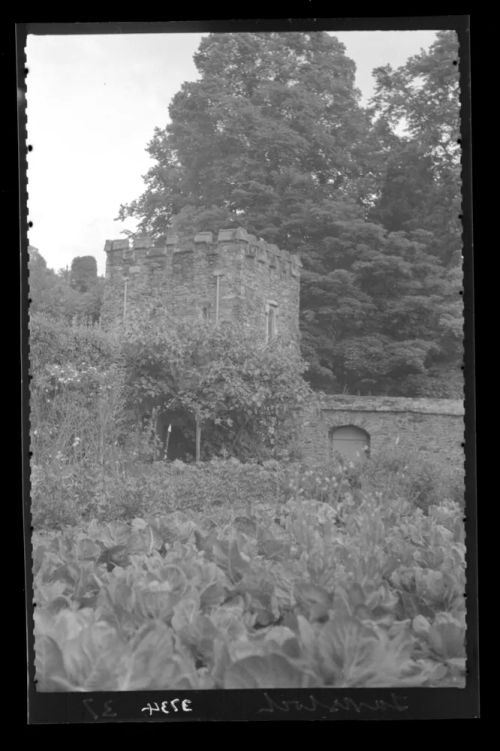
(236, 391)
(54, 342)
(391, 473)
(397, 472)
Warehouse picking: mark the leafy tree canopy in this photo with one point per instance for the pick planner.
(83, 273)
(383, 312)
(417, 112)
(62, 296)
(274, 117)
(272, 137)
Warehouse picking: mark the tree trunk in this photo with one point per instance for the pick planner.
(198, 439)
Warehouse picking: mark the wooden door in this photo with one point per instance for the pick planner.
(352, 443)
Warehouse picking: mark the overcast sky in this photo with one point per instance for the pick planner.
(93, 103)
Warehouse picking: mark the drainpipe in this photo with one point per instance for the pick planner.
(217, 275)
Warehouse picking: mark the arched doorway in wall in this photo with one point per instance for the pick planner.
(352, 443)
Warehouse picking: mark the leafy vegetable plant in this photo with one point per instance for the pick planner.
(307, 594)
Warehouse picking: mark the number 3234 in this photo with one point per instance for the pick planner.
(167, 707)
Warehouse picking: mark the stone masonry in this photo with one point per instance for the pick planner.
(229, 277)
(432, 428)
(233, 276)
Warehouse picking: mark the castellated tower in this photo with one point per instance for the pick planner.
(229, 277)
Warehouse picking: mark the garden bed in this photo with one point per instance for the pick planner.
(301, 593)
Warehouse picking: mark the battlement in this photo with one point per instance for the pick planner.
(229, 275)
(227, 240)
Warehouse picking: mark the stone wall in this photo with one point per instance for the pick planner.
(431, 428)
(181, 277)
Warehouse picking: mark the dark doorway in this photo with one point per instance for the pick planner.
(178, 442)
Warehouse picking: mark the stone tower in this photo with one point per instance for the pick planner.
(229, 277)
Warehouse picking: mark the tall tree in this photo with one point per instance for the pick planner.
(274, 119)
(272, 137)
(59, 296)
(83, 276)
(409, 192)
(418, 104)
(383, 315)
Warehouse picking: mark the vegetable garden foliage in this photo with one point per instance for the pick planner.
(365, 593)
(272, 137)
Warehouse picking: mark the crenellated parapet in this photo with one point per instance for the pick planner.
(236, 240)
(229, 275)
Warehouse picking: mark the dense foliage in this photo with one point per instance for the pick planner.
(90, 391)
(239, 392)
(422, 178)
(83, 276)
(67, 296)
(366, 592)
(272, 137)
(78, 417)
(67, 489)
(382, 314)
